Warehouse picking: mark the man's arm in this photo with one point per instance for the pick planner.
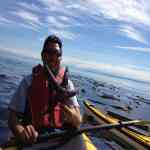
(72, 115)
(13, 123)
(16, 109)
(71, 109)
(25, 133)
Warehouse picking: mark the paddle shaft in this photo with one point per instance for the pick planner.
(88, 129)
(72, 133)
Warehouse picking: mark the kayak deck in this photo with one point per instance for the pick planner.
(124, 136)
(88, 144)
(80, 142)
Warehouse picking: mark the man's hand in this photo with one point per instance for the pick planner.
(72, 115)
(28, 134)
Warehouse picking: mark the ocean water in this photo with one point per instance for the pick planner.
(139, 87)
(12, 70)
(14, 67)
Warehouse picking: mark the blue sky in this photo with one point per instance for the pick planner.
(111, 36)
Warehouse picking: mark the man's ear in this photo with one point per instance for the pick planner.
(44, 57)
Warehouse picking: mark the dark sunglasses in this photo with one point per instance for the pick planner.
(52, 52)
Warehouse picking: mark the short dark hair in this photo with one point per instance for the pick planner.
(52, 39)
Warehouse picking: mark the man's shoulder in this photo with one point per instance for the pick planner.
(27, 79)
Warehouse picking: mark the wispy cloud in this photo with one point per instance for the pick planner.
(27, 16)
(132, 33)
(30, 26)
(62, 21)
(30, 6)
(135, 67)
(64, 18)
(116, 70)
(54, 24)
(6, 21)
(30, 20)
(77, 6)
(21, 51)
(131, 11)
(140, 49)
(52, 5)
(54, 21)
(68, 8)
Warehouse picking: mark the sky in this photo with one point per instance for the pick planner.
(110, 36)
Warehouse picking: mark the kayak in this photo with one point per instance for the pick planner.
(88, 143)
(142, 129)
(75, 143)
(124, 136)
(79, 142)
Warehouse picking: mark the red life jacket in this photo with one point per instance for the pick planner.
(45, 109)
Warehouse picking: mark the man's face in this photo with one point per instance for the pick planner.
(52, 56)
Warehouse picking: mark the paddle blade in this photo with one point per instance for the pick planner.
(143, 122)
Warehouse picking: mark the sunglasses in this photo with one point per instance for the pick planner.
(53, 52)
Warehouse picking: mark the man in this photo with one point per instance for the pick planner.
(39, 101)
